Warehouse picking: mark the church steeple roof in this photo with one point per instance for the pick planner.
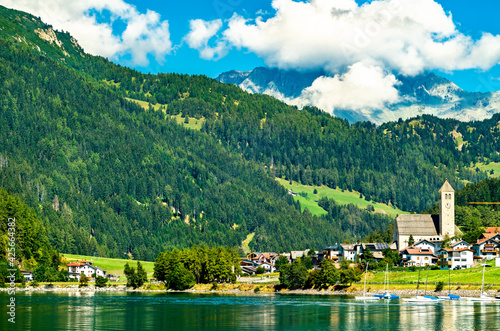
(446, 188)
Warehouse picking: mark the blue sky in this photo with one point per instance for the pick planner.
(163, 46)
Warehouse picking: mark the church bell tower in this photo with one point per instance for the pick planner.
(447, 210)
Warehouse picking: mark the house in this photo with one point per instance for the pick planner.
(418, 257)
(449, 258)
(331, 253)
(490, 235)
(432, 227)
(296, 254)
(493, 229)
(486, 249)
(433, 245)
(460, 244)
(28, 275)
(87, 268)
(348, 252)
(268, 266)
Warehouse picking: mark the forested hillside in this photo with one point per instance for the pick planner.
(107, 176)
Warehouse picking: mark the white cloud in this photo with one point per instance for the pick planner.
(199, 35)
(401, 36)
(91, 23)
(361, 87)
(408, 36)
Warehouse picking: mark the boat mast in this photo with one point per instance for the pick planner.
(364, 287)
(418, 282)
(449, 279)
(426, 279)
(482, 284)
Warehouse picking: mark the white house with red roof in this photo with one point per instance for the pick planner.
(87, 268)
(419, 257)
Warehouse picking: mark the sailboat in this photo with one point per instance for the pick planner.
(425, 298)
(450, 296)
(387, 295)
(364, 297)
(483, 297)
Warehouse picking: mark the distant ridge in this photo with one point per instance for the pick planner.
(426, 93)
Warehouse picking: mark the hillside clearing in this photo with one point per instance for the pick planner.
(341, 198)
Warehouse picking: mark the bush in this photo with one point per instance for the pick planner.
(101, 281)
(439, 286)
(84, 281)
(260, 270)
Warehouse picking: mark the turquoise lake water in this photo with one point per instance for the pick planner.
(162, 311)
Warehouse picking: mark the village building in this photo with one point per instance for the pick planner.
(331, 253)
(433, 245)
(460, 258)
(460, 244)
(431, 227)
(486, 248)
(347, 252)
(28, 275)
(411, 256)
(87, 268)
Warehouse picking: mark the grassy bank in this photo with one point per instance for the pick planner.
(464, 277)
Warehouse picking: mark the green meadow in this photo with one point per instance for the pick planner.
(495, 166)
(192, 122)
(111, 266)
(342, 198)
(466, 276)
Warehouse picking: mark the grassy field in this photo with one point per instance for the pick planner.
(466, 276)
(193, 123)
(112, 266)
(495, 166)
(342, 198)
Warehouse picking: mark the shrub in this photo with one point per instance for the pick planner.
(84, 281)
(101, 281)
(260, 270)
(439, 286)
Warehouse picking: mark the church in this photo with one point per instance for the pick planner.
(425, 226)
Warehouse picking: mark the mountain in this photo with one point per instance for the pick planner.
(426, 93)
(109, 176)
(115, 161)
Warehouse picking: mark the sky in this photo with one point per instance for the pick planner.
(362, 45)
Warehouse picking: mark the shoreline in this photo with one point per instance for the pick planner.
(238, 291)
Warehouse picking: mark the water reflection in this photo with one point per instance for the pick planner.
(135, 311)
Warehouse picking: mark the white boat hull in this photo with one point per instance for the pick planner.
(367, 298)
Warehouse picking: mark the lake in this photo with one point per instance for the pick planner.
(153, 311)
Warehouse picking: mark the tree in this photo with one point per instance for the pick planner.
(142, 275)
(298, 275)
(307, 262)
(367, 255)
(391, 257)
(329, 274)
(181, 278)
(135, 278)
(260, 270)
(84, 281)
(411, 241)
(446, 242)
(281, 261)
